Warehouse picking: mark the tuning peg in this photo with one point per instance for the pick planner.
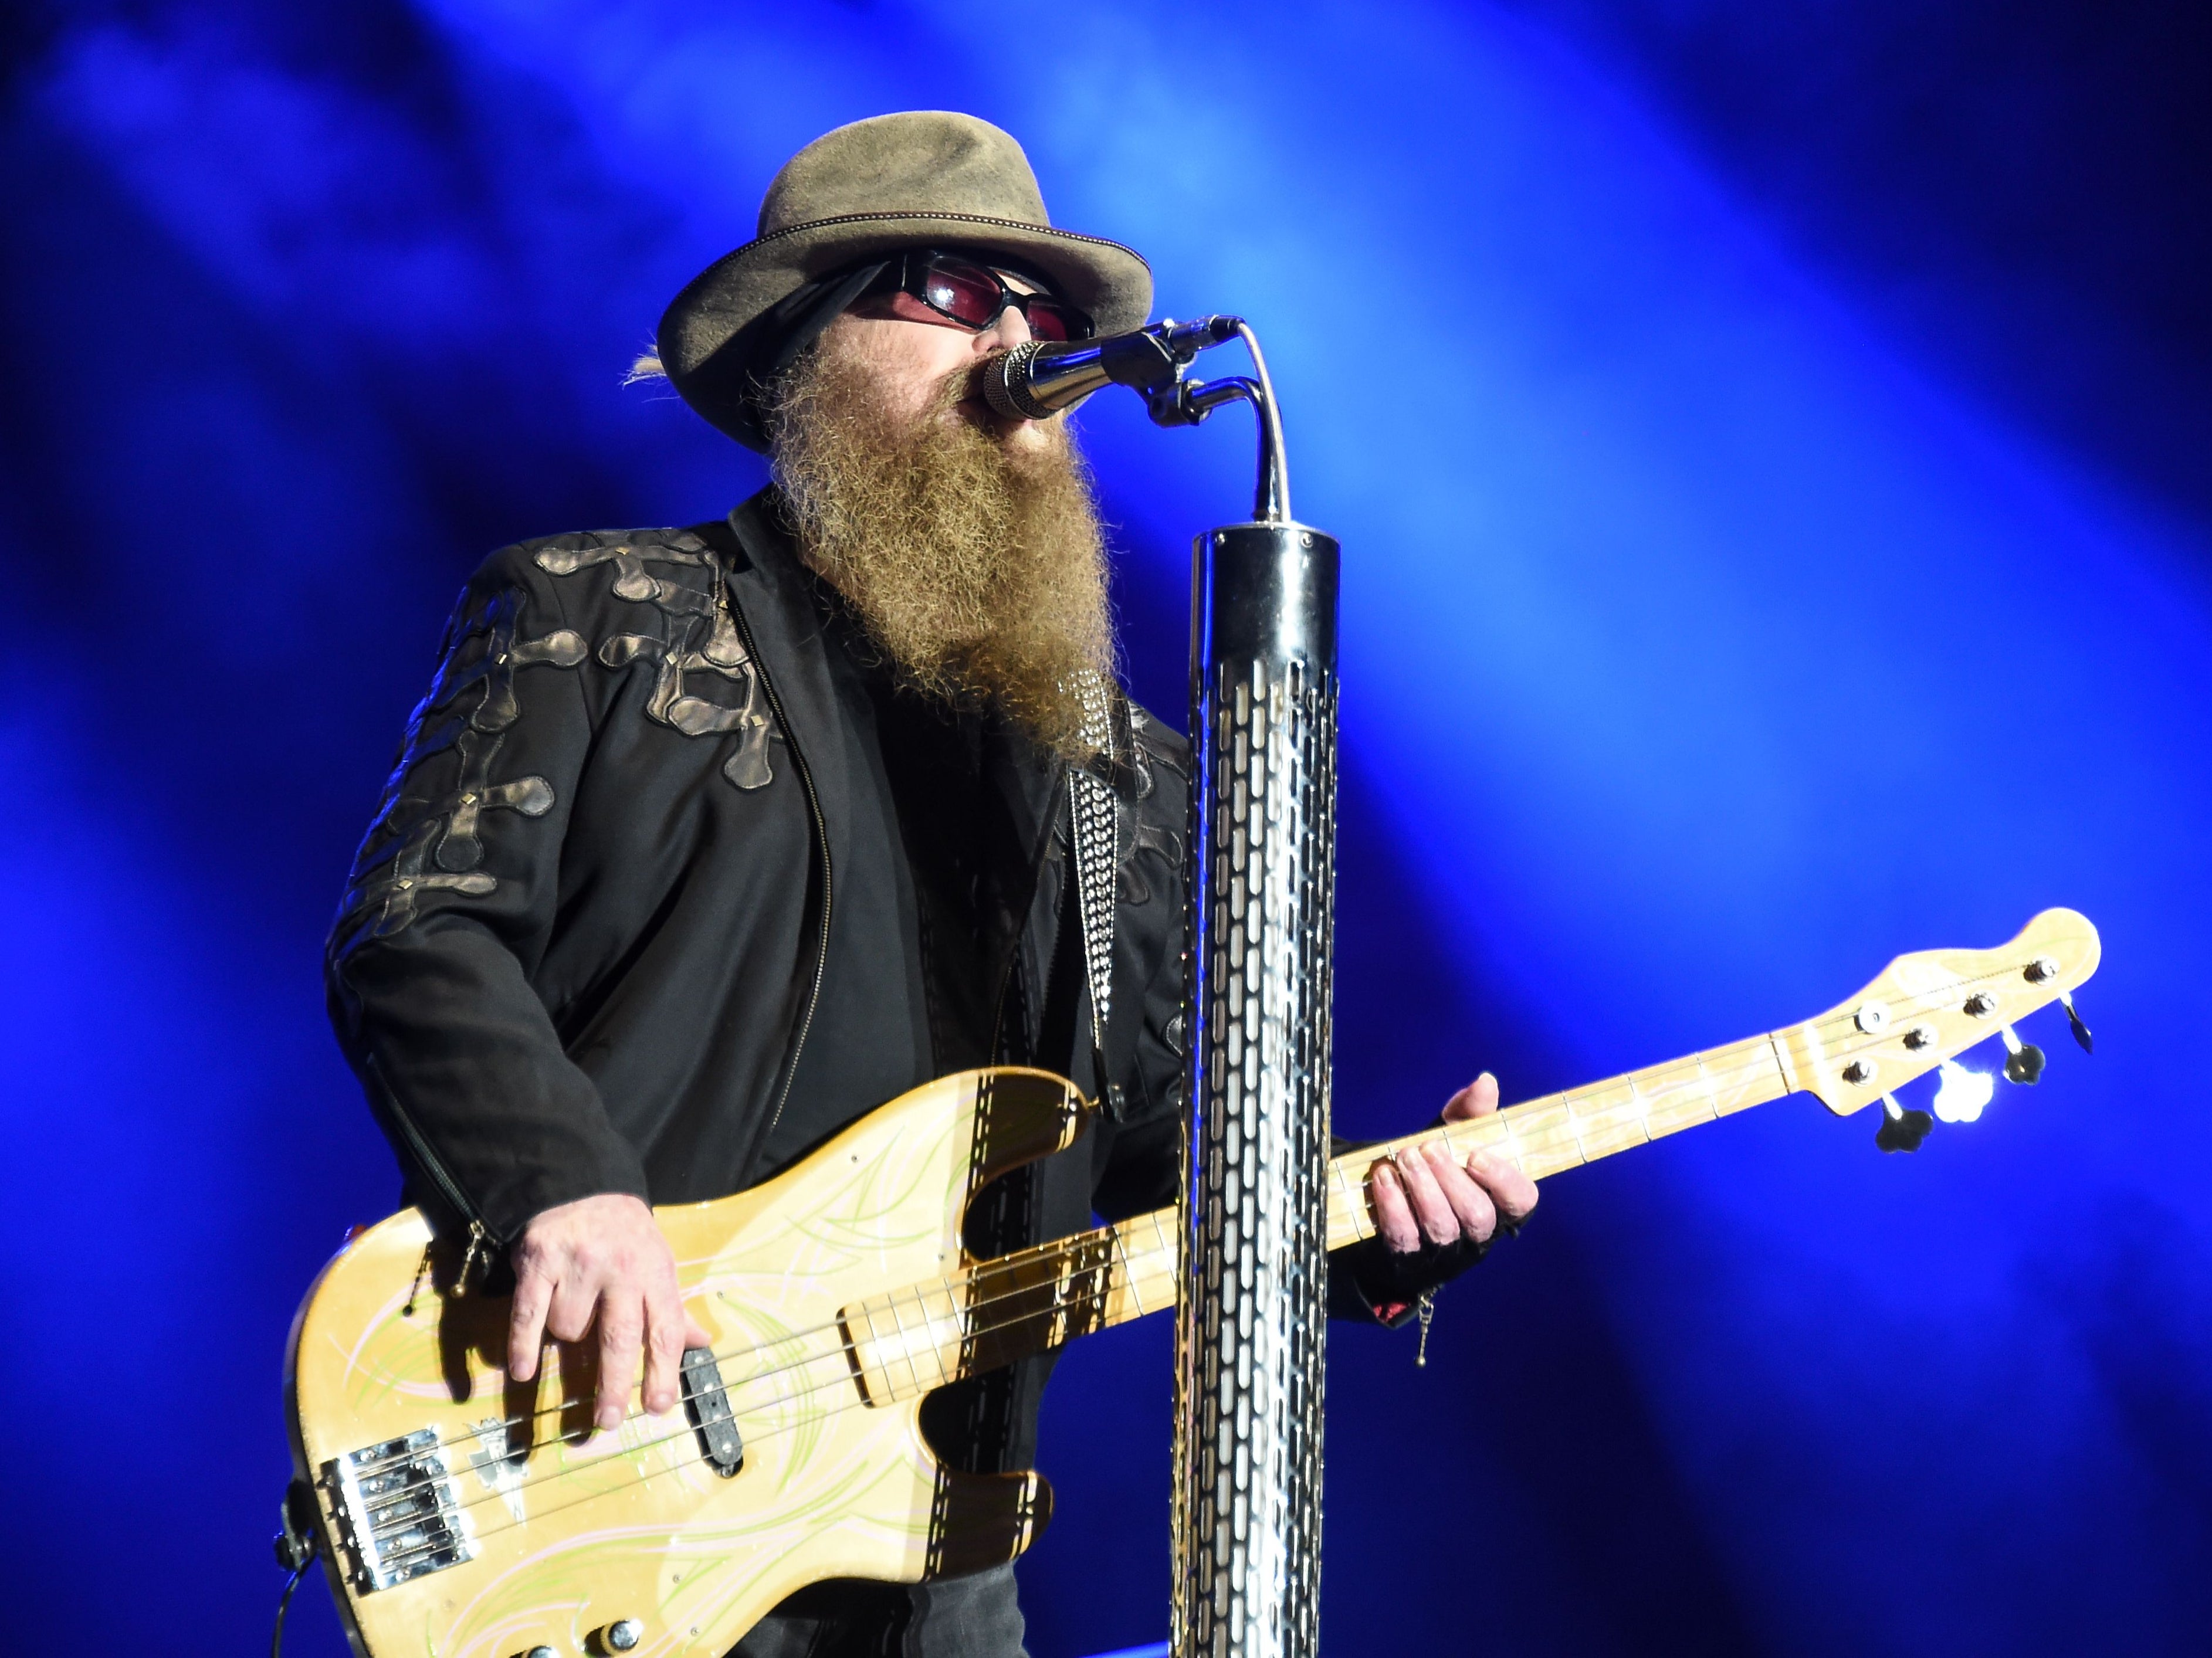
(1901, 1130)
(2074, 1019)
(2023, 1060)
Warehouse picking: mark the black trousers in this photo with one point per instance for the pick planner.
(972, 1617)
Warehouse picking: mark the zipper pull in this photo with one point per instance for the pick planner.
(1427, 1302)
(479, 1252)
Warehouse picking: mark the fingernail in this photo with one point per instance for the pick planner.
(1486, 1077)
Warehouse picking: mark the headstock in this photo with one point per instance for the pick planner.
(1933, 1005)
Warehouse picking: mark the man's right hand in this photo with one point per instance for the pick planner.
(602, 1260)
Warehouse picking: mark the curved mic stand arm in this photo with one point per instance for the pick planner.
(1188, 403)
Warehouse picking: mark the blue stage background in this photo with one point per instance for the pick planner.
(1771, 454)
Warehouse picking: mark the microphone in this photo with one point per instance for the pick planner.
(1039, 377)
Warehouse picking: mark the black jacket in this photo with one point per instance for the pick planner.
(580, 948)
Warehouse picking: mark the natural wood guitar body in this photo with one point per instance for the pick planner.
(571, 1538)
(464, 1517)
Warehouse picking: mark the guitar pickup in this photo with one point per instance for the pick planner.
(708, 1407)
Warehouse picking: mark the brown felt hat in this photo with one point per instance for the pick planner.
(925, 177)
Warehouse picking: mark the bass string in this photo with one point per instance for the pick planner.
(1659, 1078)
(1066, 1248)
(1085, 1301)
(985, 1274)
(638, 1477)
(844, 1354)
(1081, 1301)
(988, 1276)
(1825, 1030)
(1002, 1266)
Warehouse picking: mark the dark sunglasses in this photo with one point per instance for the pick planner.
(974, 295)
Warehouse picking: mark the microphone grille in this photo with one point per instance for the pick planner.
(1006, 385)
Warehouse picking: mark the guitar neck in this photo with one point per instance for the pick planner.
(1047, 1295)
(1558, 1131)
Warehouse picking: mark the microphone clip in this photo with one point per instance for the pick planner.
(1036, 380)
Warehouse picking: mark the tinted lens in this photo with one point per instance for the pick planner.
(1051, 320)
(965, 293)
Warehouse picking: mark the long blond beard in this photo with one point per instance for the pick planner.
(976, 566)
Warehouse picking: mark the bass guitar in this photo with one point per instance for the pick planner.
(462, 1514)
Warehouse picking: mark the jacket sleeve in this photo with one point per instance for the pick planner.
(448, 910)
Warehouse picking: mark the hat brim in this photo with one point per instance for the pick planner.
(1112, 283)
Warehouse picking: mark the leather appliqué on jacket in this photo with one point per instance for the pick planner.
(1154, 745)
(1154, 748)
(389, 904)
(439, 848)
(1163, 843)
(694, 633)
(458, 847)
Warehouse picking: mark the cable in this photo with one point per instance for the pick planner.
(295, 1548)
(283, 1605)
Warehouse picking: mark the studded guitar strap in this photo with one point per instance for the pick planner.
(1096, 810)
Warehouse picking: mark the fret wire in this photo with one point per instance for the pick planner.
(1151, 1256)
(1509, 1135)
(1355, 1209)
(954, 1316)
(906, 1345)
(1072, 1270)
(1129, 1272)
(876, 1346)
(907, 1338)
(930, 1330)
(1567, 1105)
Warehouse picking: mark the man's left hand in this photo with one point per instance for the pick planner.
(1427, 1197)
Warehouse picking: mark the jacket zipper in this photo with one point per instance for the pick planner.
(482, 1244)
(821, 850)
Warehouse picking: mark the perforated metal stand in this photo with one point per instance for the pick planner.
(1252, 1312)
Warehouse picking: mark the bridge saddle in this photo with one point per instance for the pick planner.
(397, 1517)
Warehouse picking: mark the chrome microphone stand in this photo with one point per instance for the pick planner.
(1252, 1311)
(1252, 1308)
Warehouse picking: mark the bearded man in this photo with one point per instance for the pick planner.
(704, 842)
